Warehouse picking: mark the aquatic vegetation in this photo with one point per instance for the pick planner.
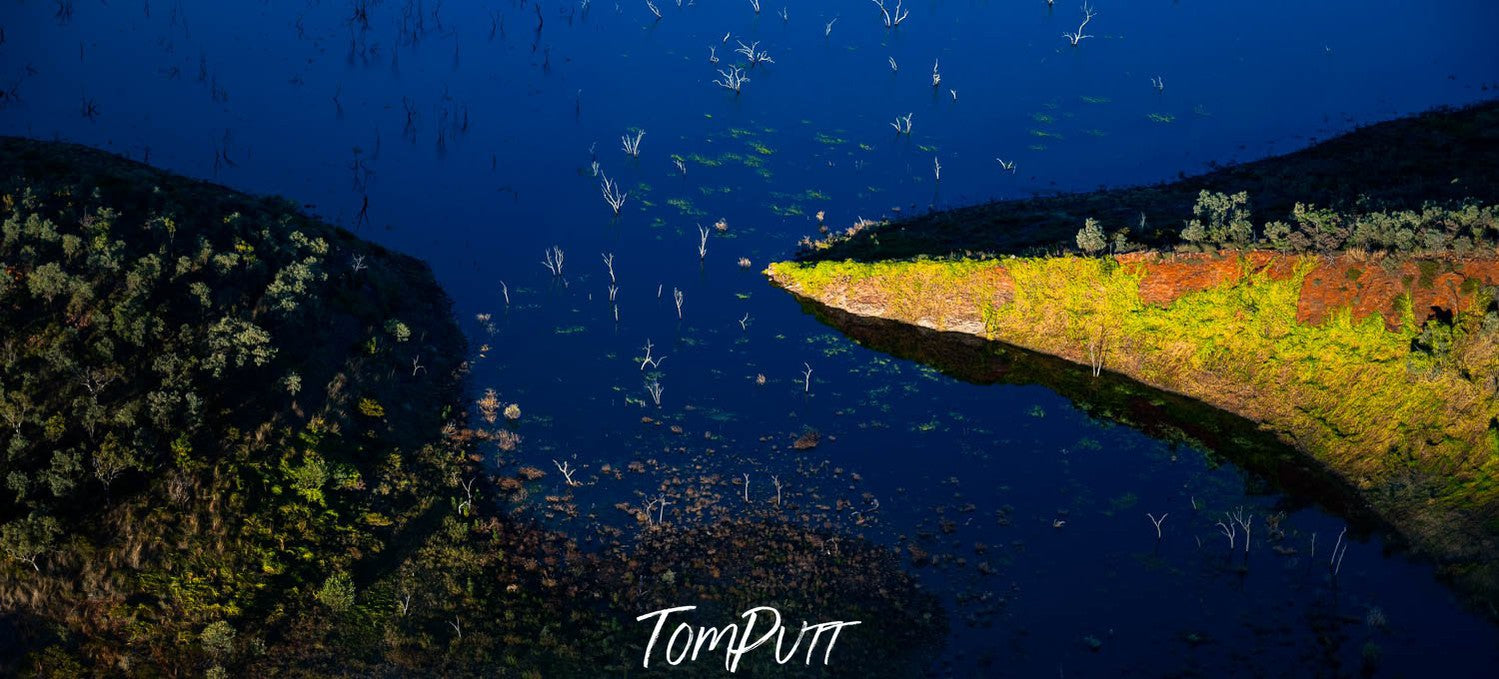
(685, 206)
(1161, 117)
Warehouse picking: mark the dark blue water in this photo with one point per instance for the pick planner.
(470, 132)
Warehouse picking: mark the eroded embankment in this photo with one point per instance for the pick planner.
(1383, 369)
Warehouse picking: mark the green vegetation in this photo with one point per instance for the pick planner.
(179, 372)
(220, 460)
(1223, 221)
(1444, 159)
(1409, 415)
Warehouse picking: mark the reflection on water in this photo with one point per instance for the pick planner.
(1273, 466)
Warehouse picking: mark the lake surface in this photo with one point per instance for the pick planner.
(471, 132)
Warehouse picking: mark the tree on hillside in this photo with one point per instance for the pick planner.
(1090, 238)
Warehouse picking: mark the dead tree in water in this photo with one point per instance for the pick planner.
(1077, 36)
(553, 260)
(567, 472)
(1157, 523)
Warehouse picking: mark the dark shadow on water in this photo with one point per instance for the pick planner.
(1272, 465)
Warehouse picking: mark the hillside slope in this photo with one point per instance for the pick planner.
(1441, 156)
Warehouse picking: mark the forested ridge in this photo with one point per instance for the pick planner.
(211, 402)
(235, 443)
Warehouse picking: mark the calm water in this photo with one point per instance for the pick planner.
(472, 134)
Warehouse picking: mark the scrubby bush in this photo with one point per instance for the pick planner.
(1220, 219)
(1090, 238)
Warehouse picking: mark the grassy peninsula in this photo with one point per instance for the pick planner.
(1365, 333)
(235, 443)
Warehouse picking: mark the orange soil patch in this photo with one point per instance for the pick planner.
(1366, 283)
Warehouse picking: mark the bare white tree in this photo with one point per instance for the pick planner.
(653, 387)
(1245, 523)
(649, 505)
(1157, 523)
(1077, 36)
(806, 378)
(677, 295)
(733, 79)
(777, 481)
(652, 7)
(937, 168)
(505, 290)
(1158, 84)
(936, 75)
(403, 600)
(754, 54)
(609, 263)
(1335, 564)
(894, 68)
(891, 21)
(702, 243)
(1096, 348)
(661, 502)
(755, 4)
(613, 195)
(712, 54)
(746, 488)
(567, 472)
(468, 502)
(648, 361)
(632, 145)
(1007, 166)
(827, 29)
(902, 124)
(553, 260)
(1335, 547)
(1229, 531)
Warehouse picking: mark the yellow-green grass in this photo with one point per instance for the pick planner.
(1414, 430)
